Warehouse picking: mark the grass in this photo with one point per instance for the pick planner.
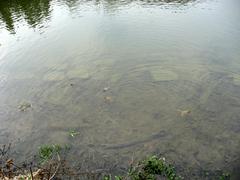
(73, 133)
(46, 152)
(152, 167)
(149, 169)
(51, 165)
(225, 176)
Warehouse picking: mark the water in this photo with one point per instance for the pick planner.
(157, 58)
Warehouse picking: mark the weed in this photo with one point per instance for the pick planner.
(73, 133)
(151, 167)
(46, 152)
(224, 176)
(109, 177)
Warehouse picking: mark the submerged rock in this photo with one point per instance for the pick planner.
(22, 76)
(160, 74)
(81, 72)
(54, 76)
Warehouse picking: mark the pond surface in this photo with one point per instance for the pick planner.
(133, 78)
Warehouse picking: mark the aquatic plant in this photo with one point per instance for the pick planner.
(224, 176)
(152, 167)
(73, 133)
(46, 152)
(109, 177)
(149, 169)
(54, 167)
(24, 106)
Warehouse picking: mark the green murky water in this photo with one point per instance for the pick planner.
(155, 59)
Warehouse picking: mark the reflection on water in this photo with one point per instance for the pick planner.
(132, 77)
(35, 12)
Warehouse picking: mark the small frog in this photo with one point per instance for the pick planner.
(24, 106)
